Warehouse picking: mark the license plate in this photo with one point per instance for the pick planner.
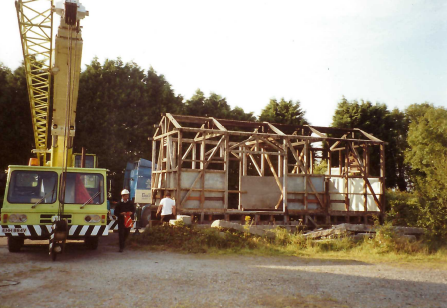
(14, 230)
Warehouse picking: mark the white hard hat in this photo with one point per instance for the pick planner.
(125, 192)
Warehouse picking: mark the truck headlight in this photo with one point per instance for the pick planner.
(92, 218)
(18, 218)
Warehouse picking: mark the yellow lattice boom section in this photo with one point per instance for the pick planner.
(35, 24)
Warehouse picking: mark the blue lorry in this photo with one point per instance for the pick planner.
(137, 179)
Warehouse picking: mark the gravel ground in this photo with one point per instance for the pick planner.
(107, 278)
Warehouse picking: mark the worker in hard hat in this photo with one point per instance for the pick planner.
(124, 208)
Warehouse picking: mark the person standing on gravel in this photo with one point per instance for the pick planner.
(124, 208)
(167, 208)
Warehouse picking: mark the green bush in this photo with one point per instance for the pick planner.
(403, 208)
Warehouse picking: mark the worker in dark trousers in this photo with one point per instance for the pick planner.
(166, 208)
(121, 209)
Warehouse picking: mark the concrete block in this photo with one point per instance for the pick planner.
(185, 218)
(255, 230)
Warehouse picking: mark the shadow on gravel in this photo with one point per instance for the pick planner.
(74, 250)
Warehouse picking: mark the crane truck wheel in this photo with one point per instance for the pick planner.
(14, 244)
(91, 242)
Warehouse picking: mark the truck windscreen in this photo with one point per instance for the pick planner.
(83, 188)
(28, 186)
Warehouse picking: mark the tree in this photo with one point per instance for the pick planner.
(239, 114)
(15, 118)
(117, 107)
(16, 128)
(390, 127)
(214, 106)
(284, 112)
(427, 155)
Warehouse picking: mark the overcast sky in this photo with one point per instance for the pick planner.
(392, 52)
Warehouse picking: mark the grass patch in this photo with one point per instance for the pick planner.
(385, 247)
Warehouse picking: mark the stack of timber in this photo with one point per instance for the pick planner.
(260, 230)
(359, 231)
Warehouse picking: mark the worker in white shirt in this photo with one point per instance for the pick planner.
(167, 208)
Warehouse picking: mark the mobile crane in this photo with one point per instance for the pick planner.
(54, 197)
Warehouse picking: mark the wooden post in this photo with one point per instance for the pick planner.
(153, 176)
(244, 162)
(226, 154)
(306, 152)
(262, 162)
(161, 158)
(340, 162)
(365, 175)
(280, 173)
(168, 159)
(202, 180)
(284, 181)
(382, 179)
(194, 155)
(346, 176)
(179, 172)
(367, 163)
(202, 154)
(240, 177)
(311, 162)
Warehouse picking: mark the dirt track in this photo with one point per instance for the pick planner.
(107, 278)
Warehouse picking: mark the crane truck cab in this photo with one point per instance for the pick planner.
(34, 193)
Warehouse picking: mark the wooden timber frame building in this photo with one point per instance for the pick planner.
(227, 169)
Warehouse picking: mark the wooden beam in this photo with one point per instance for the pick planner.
(275, 146)
(241, 143)
(369, 136)
(219, 126)
(317, 132)
(172, 132)
(179, 168)
(278, 182)
(304, 168)
(255, 152)
(255, 164)
(273, 128)
(337, 142)
(362, 170)
(226, 169)
(207, 136)
(173, 121)
(285, 178)
(188, 150)
(202, 172)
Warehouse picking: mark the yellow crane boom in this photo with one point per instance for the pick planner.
(35, 25)
(66, 72)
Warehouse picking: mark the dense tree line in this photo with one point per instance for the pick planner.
(416, 158)
(119, 103)
(389, 126)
